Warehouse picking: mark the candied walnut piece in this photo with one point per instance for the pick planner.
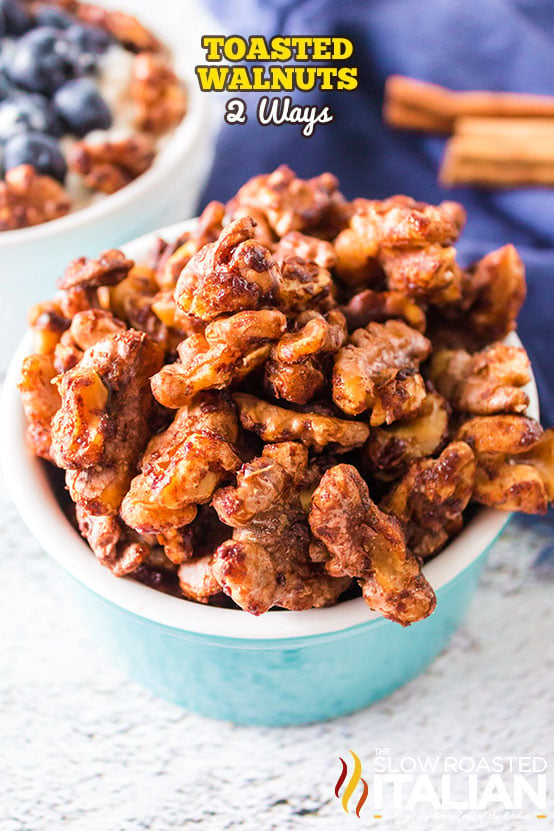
(379, 229)
(102, 426)
(378, 370)
(290, 203)
(430, 274)
(515, 462)
(311, 249)
(267, 562)
(114, 544)
(235, 273)
(365, 543)
(295, 369)
(213, 360)
(159, 96)
(123, 27)
(488, 382)
(180, 469)
(497, 283)
(108, 166)
(303, 285)
(109, 268)
(276, 424)
(430, 499)
(29, 198)
(86, 329)
(197, 579)
(48, 325)
(41, 401)
(390, 449)
(172, 258)
(380, 306)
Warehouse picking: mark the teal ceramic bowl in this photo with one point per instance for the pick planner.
(281, 668)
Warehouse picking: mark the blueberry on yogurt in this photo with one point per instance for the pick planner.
(43, 60)
(38, 149)
(21, 112)
(81, 107)
(14, 18)
(53, 16)
(88, 39)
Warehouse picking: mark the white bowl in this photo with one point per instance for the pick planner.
(31, 259)
(280, 668)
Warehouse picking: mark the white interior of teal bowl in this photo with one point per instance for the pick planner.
(37, 504)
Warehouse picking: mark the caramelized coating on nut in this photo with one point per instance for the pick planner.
(234, 273)
(488, 382)
(290, 203)
(172, 258)
(295, 369)
(303, 285)
(108, 166)
(102, 427)
(276, 424)
(380, 306)
(378, 371)
(86, 329)
(309, 249)
(28, 198)
(430, 498)
(110, 268)
(495, 289)
(228, 349)
(267, 563)
(197, 579)
(515, 462)
(158, 94)
(40, 400)
(390, 449)
(115, 546)
(369, 545)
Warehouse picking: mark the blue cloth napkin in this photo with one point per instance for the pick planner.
(496, 45)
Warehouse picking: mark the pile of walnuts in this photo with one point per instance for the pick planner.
(300, 394)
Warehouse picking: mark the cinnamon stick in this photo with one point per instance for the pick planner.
(417, 105)
(500, 152)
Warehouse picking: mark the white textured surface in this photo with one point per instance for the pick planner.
(85, 749)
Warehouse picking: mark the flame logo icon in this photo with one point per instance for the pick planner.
(352, 784)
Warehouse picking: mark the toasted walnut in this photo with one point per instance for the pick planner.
(102, 426)
(41, 402)
(429, 275)
(303, 285)
(365, 543)
(266, 563)
(377, 228)
(180, 470)
(390, 449)
(312, 249)
(117, 547)
(377, 370)
(275, 424)
(497, 283)
(289, 203)
(172, 258)
(380, 306)
(430, 498)
(214, 359)
(295, 370)
(86, 329)
(515, 462)
(48, 325)
(108, 166)
(124, 27)
(110, 268)
(159, 96)
(29, 198)
(233, 274)
(487, 382)
(197, 579)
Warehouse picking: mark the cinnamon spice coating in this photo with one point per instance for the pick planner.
(297, 397)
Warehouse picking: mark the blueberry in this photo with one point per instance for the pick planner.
(41, 151)
(14, 18)
(53, 16)
(81, 107)
(43, 60)
(22, 112)
(5, 86)
(90, 39)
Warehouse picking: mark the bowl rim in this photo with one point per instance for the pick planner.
(174, 150)
(30, 490)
